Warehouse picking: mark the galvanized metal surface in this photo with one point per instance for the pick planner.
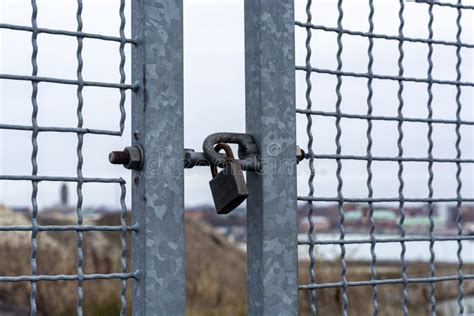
(310, 112)
(157, 126)
(271, 120)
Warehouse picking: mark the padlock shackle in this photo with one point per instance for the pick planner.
(229, 154)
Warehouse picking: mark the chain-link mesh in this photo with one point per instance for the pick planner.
(316, 77)
(79, 179)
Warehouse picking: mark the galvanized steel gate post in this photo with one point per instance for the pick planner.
(157, 126)
(270, 118)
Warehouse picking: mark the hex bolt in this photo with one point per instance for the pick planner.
(131, 157)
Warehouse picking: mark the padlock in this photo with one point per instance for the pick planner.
(228, 187)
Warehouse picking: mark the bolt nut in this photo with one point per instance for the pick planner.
(136, 157)
(131, 157)
(299, 154)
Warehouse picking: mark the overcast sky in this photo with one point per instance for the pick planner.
(214, 88)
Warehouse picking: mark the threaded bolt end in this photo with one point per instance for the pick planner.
(119, 157)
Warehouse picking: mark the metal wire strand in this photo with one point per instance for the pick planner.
(123, 249)
(123, 210)
(65, 33)
(62, 228)
(340, 205)
(400, 163)
(458, 164)
(387, 240)
(34, 153)
(373, 263)
(394, 159)
(446, 278)
(384, 118)
(379, 200)
(68, 277)
(386, 77)
(430, 164)
(122, 64)
(309, 104)
(80, 160)
(60, 129)
(69, 81)
(458, 5)
(373, 35)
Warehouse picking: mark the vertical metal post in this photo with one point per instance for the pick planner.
(157, 126)
(271, 119)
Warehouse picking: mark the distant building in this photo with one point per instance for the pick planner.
(467, 217)
(385, 219)
(320, 224)
(421, 224)
(64, 195)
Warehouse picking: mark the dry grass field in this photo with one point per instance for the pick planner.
(215, 274)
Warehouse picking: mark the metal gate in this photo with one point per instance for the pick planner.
(274, 93)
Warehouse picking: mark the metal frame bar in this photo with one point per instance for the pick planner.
(157, 126)
(271, 119)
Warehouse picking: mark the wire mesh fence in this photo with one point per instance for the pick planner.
(36, 178)
(384, 103)
(390, 77)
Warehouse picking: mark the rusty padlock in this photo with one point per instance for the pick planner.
(228, 187)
